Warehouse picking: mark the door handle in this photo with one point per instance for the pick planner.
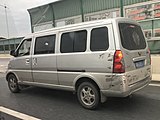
(34, 61)
(27, 61)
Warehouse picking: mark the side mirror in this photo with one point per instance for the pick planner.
(13, 53)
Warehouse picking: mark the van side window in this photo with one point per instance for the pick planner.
(45, 45)
(24, 48)
(99, 39)
(73, 41)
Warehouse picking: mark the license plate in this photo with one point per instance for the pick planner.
(139, 64)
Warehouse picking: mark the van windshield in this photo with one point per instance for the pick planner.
(132, 37)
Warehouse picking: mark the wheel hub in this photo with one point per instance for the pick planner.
(87, 96)
(12, 84)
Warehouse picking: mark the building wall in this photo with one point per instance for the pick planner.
(148, 15)
(7, 45)
(100, 5)
(74, 11)
(66, 12)
(66, 8)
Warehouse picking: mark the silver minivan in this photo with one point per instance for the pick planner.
(96, 60)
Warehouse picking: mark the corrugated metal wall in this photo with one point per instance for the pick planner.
(90, 6)
(129, 2)
(66, 8)
(41, 14)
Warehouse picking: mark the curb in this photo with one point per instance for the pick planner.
(155, 77)
(5, 56)
(155, 81)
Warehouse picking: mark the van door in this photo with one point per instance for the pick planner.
(135, 50)
(22, 62)
(44, 60)
(86, 51)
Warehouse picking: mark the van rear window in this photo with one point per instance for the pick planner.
(132, 37)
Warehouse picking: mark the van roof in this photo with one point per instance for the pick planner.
(78, 25)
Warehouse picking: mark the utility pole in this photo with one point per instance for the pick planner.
(122, 14)
(82, 12)
(6, 16)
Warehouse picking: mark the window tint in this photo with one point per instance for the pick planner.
(99, 39)
(45, 45)
(24, 48)
(66, 43)
(131, 36)
(74, 41)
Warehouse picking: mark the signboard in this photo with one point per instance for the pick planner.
(68, 21)
(157, 10)
(157, 32)
(143, 11)
(148, 15)
(102, 15)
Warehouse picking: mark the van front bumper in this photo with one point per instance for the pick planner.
(122, 88)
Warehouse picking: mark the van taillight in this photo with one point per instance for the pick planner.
(118, 63)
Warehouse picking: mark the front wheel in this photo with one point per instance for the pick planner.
(13, 84)
(88, 95)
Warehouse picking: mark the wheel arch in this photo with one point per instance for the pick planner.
(80, 80)
(11, 73)
(89, 78)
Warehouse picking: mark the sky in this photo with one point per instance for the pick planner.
(17, 16)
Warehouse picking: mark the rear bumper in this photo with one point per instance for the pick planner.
(123, 89)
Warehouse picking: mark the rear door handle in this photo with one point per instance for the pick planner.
(34, 61)
(27, 61)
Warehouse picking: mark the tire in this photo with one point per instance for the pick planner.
(13, 84)
(88, 95)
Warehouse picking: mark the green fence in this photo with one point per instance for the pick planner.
(154, 46)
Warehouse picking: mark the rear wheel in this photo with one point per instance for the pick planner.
(88, 95)
(13, 84)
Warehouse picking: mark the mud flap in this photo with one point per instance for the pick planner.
(103, 98)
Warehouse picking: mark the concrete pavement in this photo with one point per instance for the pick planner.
(48, 104)
(3, 64)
